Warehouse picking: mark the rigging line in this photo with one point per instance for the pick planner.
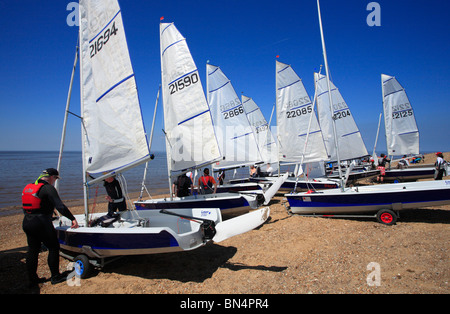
(199, 114)
(215, 90)
(289, 85)
(105, 27)
(184, 75)
(114, 86)
(164, 51)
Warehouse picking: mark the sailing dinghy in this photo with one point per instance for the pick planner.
(383, 200)
(113, 141)
(402, 133)
(191, 141)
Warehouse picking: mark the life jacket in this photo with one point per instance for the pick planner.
(30, 200)
(206, 184)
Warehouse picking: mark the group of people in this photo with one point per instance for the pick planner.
(40, 199)
(255, 171)
(440, 165)
(183, 185)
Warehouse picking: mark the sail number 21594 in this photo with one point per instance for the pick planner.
(98, 43)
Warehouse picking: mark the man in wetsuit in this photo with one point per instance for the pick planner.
(182, 185)
(114, 197)
(38, 206)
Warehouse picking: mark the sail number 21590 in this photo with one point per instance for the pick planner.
(183, 83)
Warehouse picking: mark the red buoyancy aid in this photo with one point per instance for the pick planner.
(30, 200)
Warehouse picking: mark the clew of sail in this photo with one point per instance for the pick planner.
(266, 142)
(113, 130)
(295, 116)
(190, 138)
(402, 134)
(350, 142)
(235, 135)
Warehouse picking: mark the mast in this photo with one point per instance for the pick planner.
(83, 136)
(63, 135)
(150, 143)
(329, 92)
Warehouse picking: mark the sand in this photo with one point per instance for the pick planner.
(287, 255)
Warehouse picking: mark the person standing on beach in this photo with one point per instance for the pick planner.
(206, 182)
(39, 200)
(439, 166)
(382, 167)
(115, 198)
(181, 186)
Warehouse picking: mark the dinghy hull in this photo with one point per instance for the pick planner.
(408, 174)
(146, 232)
(370, 199)
(229, 203)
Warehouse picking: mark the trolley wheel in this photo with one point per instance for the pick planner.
(82, 266)
(387, 217)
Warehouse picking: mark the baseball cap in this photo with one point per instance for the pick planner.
(51, 172)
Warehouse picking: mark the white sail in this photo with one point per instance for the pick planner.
(350, 142)
(402, 134)
(299, 134)
(234, 133)
(113, 130)
(266, 142)
(190, 137)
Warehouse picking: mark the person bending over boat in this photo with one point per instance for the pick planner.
(115, 198)
(439, 166)
(206, 183)
(39, 200)
(382, 161)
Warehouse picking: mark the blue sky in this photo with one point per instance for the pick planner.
(243, 37)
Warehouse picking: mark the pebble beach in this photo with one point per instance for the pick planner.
(289, 254)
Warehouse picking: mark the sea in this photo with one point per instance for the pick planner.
(20, 168)
(24, 167)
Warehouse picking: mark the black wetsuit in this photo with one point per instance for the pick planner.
(183, 183)
(114, 191)
(39, 229)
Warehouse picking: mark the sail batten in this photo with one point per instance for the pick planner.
(261, 129)
(112, 125)
(190, 136)
(402, 133)
(235, 135)
(350, 142)
(299, 133)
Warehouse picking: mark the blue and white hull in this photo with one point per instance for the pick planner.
(370, 199)
(408, 174)
(228, 203)
(299, 185)
(152, 232)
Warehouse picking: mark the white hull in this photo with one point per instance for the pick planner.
(370, 199)
(152, 232)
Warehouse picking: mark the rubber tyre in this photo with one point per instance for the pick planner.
(386, 217)
(82, 266)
